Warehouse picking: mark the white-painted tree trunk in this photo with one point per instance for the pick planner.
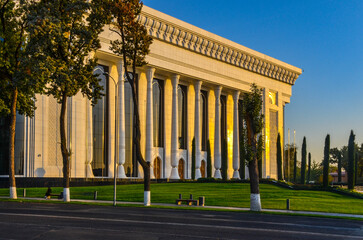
(147, 200)
(255, 204)
(13, 194)
(66, 195)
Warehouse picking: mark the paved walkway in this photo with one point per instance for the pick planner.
(206, 207)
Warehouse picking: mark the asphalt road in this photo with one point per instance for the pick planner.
(70, 221)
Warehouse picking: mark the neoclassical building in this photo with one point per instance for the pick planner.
(192, 87)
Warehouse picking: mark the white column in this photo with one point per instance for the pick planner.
(89, 172)
(235, 136)
(197, 87)
(174, 129)
(121, 121)
(217, 134)
(149, 118)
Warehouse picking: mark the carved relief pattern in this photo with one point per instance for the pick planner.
(201, 44)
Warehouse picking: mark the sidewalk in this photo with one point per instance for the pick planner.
(317, 214)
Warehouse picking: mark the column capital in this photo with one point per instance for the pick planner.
(150, 73)
(175, 79)
(218, 90)
(198, 84)
(236, 95)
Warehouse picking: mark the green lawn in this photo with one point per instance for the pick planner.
(217, 194)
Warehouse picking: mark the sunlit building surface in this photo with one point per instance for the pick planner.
(192, 87)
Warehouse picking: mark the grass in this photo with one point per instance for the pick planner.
(217, 194)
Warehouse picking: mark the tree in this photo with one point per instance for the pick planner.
(295, 165)
(326, 161)
(303, 162)
(63, 35)
(252, 108)
(336, 156)
(351, 163)
(289, 161)
(309, 169)
(242, 150)
(279, 158)
(209, 160)
(133, 46)
(17, 87)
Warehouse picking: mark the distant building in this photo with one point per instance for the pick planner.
(335, 177)
(192, 87)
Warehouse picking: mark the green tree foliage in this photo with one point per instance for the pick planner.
(351, 162)
(303, 162)
(309, 169)
(209, 160)
(132, 45)
(193, 158)
(295, 165)
(279, 157)
(17, 87)
(253, 117)
(62, 36)
(224, 159)
(326, 161)
(336, 156)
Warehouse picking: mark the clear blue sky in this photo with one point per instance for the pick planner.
(324, 38)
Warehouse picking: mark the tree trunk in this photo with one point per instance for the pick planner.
(65, 154)
(255, 201)
(12, 184)
(145, 165)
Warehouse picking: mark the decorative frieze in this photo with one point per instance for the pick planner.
(196, 42)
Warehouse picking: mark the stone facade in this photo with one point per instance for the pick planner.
(183, 59)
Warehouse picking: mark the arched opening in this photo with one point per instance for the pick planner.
(182, 116)
(181, 169)
(203, 168)
(157, 168)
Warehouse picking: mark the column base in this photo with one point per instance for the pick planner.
(174, 173)
(198, 174)
(236, 174)
(217, 174)
(121, 171)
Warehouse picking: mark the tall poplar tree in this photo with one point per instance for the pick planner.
(326, 161)
(351, 162)
(63, 36)
(252, 108)
(17, 87)
(132, 45)
(309, 168)
(279, 157)
(303, 162)
(295, 165)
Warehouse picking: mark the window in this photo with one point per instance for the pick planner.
(203, 118)
(100, 126)
(272, 98)
(158, 109)
(182, 116)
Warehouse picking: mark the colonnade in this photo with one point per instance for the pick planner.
(150, 71)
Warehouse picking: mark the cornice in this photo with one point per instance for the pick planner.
(237, 55)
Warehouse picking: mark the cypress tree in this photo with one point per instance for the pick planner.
(193, 158)
(351, 164)
(309, 168)
(303, 162)
(326, 161)
(279, 157)
(295, 163)
(356, 166)
(339, 167)
(209, 160)
(224, 159)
